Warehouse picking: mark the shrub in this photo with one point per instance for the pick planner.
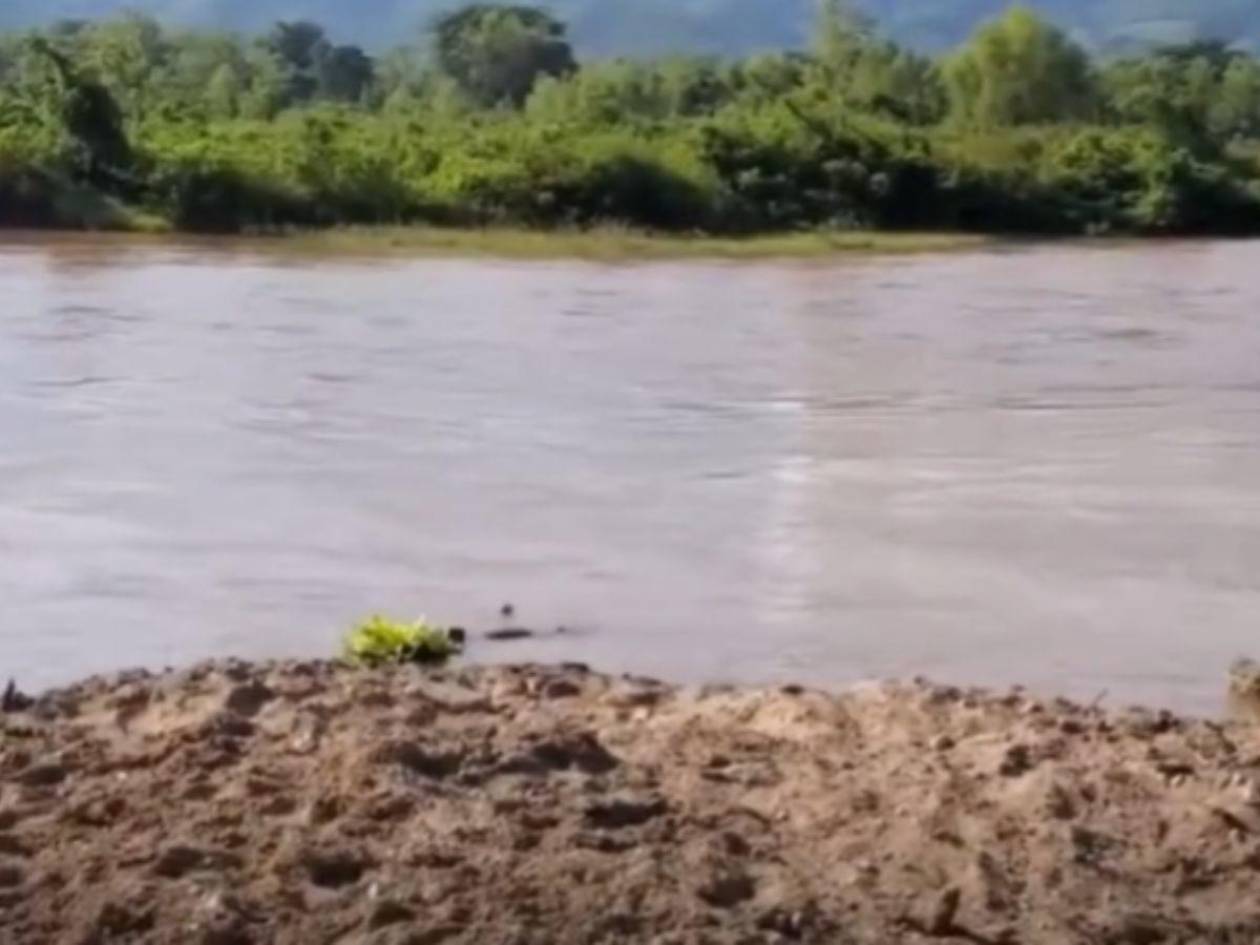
(380, 641)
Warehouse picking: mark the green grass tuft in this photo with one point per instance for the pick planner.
(614, 244)
(379, 641)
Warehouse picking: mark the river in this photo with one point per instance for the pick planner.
(1032, 464)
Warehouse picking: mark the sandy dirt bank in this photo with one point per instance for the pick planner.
(304, 803)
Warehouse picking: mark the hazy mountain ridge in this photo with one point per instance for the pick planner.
(605, 27)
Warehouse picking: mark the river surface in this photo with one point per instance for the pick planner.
(1034, 464)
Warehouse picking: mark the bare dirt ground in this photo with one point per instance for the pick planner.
(304, 803)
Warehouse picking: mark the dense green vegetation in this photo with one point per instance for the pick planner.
(715, 27)
(489, 118)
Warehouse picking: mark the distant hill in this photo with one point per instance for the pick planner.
(612, 27)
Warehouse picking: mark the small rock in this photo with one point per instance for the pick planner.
(248, 699)
(308, 730)
(131, 697)
(582, 751)
(866, 801)
(178, 861)
(332, 869)
(14, 700)
(1174, 769)
(728, 889)
(119, 920)
(388, 912)
(945, 912)
(621, 812)
(1142, 930)
(635, 697)
(1018, 760)
(1250, 792)
(789, 924)
(232, 931)
(44, 774)
(11, 876)
(325, 809)
(942, 743)
(561, 689)
(509, 633)
(229, 725)
(279, 806)
(434, 935)
(1059, 803)
(418, 760)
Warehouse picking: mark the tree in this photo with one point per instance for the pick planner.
(614, 92)
(204, 70)
(840, 35)
(297, 44)
(1199, 95)
(496, 54)
(89, 116)
(9, 57)
(127, 54)
(223, 93)
(769, 76)
(1020, 70)
(313, 68)
(1237, 111)
(852, 64)
(268, 88)
(298, 47)
(343, 74)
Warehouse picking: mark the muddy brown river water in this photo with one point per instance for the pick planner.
(1025, 464)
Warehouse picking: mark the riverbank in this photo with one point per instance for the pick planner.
(600, 244)
(304, 802)
(615, 244)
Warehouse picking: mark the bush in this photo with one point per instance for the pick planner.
(379, 641)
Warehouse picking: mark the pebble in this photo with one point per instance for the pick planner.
(727, 890)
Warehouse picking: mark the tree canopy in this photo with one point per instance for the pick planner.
(495, 54)
(1020, 70)
(707, 27)
(487, 116)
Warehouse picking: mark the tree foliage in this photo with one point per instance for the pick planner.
(729, 28)
(495, 54)
(487, 119)
(1020, 70)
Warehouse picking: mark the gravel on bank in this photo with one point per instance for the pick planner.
(305, 803)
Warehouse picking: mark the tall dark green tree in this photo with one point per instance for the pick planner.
(313, 68)
(89, 116)
(495, 54)
(297, 47)
(344, 74)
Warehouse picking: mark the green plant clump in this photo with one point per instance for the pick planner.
(379, 641)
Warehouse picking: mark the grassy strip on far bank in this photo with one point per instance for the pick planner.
(613, 244)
